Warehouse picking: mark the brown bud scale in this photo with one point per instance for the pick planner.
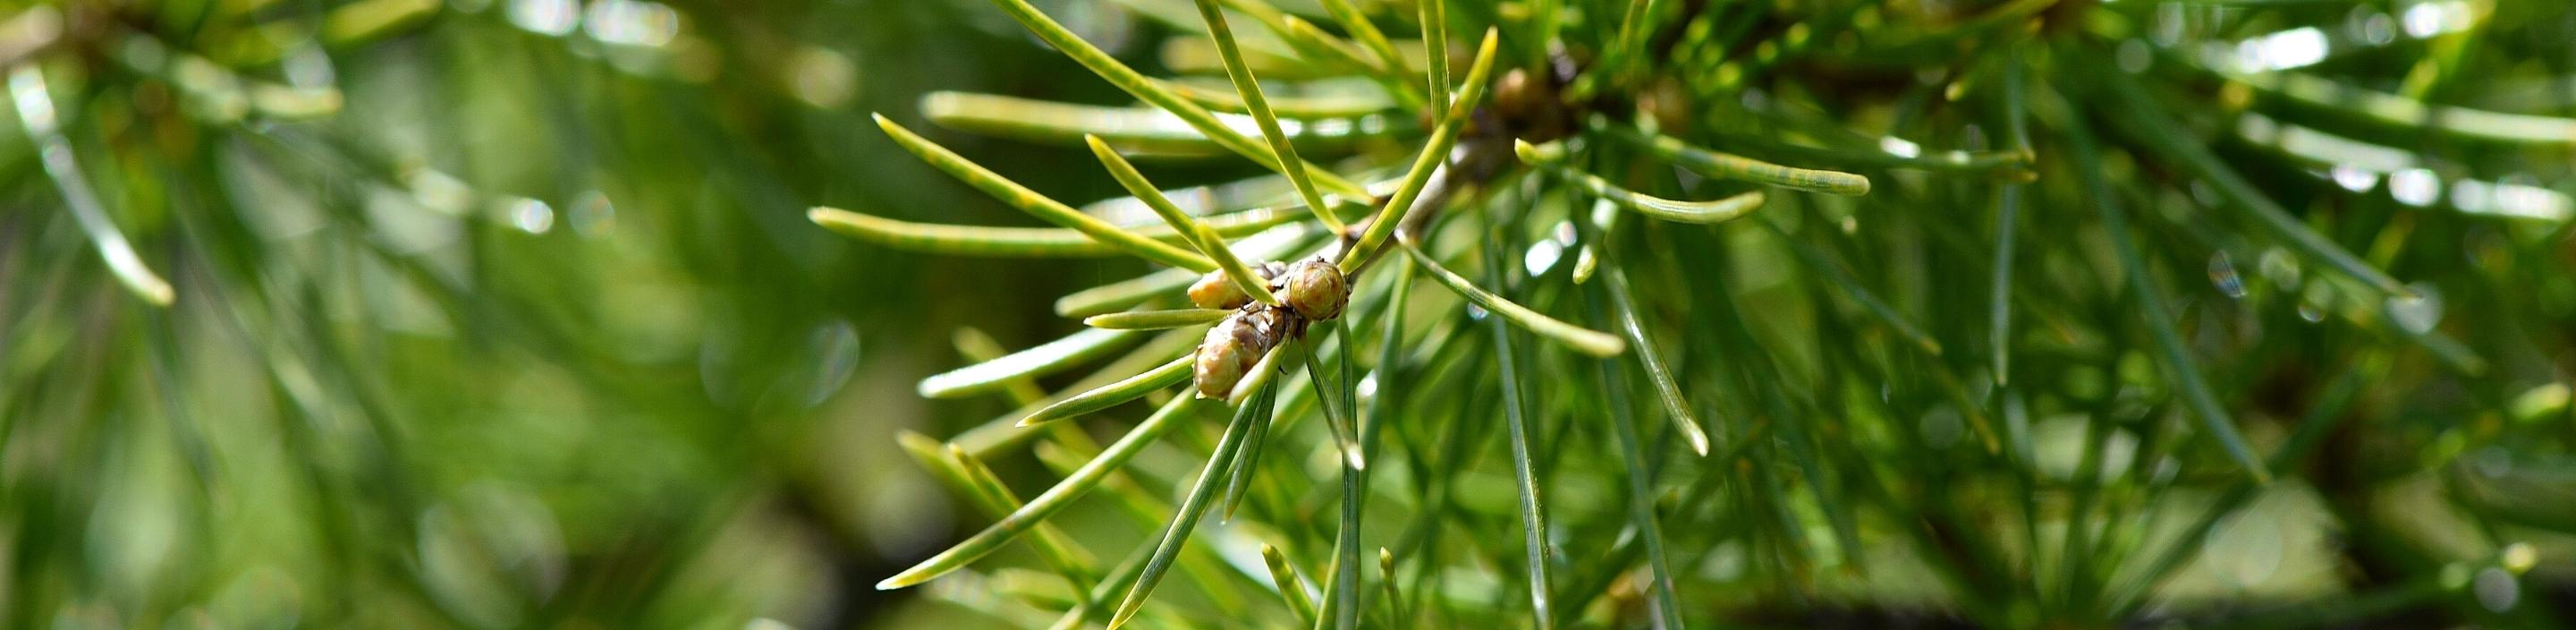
(1234, 347)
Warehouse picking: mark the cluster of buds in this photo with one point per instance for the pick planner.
(1309, 291)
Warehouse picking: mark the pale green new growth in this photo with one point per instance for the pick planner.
(1038, 205)
(1059, 551)
(1156, 320)
(1193, 507)
(1391, 60)
(1292, 589)
(1038, 361)
(1427, 162)
(1128, 79)
(1113, 394)
(1667, 389)
(965, 240)
(1109, 298)
(1731, 166)
(1336, 418)
(1516, 428)
(1254, 102)
(1435, 52)
(1334, 106)
(1585, 340)
(1047, 503)
(1718, 211)
(1197, 234)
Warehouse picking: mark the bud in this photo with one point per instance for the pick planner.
(1517, 96)
(1214, 290)
(1234, 347)
(1529, 106)
(1668, 102)
(1316, 290)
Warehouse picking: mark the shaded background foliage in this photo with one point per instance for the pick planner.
(508, 313)
(531, 330)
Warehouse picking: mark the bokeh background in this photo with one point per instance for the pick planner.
(507, 313)
(494, 313)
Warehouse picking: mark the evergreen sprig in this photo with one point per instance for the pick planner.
(1996, 313)
(1841, 434)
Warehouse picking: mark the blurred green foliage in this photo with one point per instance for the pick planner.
(522, 326)
(497, 313)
